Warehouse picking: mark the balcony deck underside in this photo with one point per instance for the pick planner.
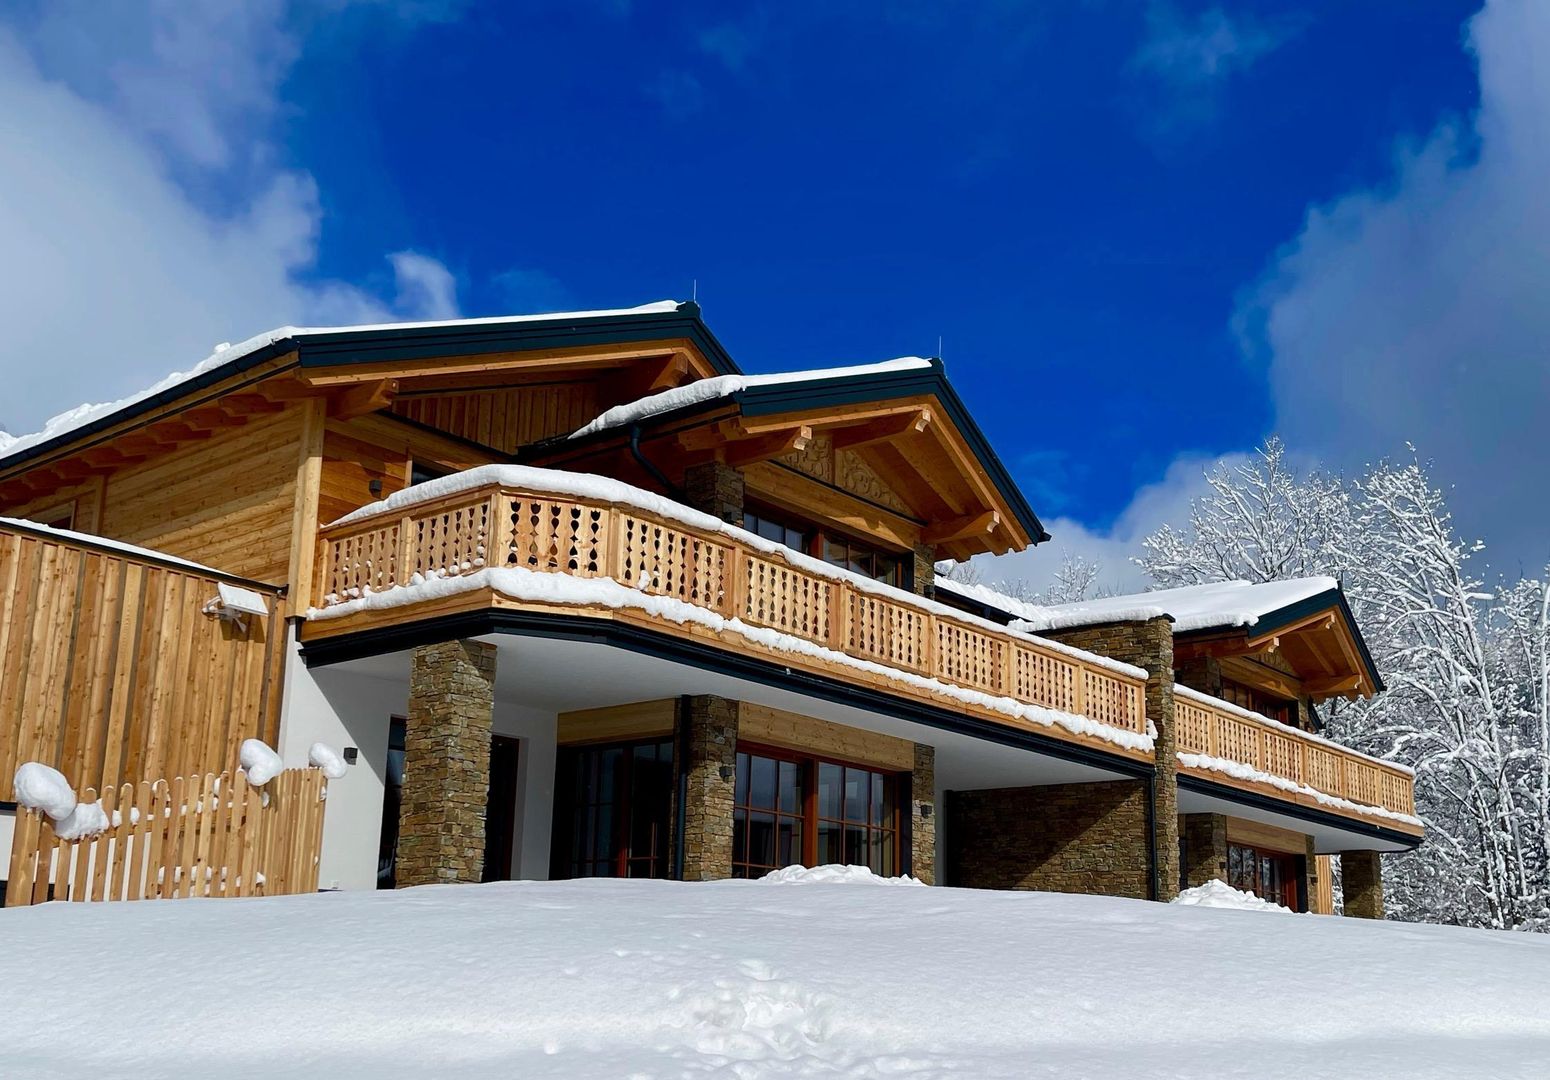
(484, 611)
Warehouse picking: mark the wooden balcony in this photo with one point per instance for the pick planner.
(1213, 729)
(735, 590)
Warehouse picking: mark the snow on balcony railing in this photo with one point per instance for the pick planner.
(1217, 736)
(524, 531)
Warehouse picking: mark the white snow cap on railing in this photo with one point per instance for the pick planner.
(260, 761)
(325, 757)
(44, 788)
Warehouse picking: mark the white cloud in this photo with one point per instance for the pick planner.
(1166, 500)
(136, 233)
(1420, 310)
(1192, 57)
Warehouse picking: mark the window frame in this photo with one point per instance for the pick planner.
(816, 539)
(1292, 887)
(563, 861)
(896, 831)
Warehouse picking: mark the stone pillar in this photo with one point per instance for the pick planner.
(924, 576)
(923, 815)
(716, 489)
(1361, 883)
(446, 763)
(1205, 848)
(1148, 645)
(1310, 876)
(707, 740)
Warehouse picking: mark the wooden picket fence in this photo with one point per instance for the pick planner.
(210, 835)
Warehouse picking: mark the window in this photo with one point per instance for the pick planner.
(792, 808)
(611, 815)
(1246, 697)
(61, 516)
(832, 548)
(421, 472)
(1269, 875)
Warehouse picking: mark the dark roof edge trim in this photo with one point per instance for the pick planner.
(1296, 810)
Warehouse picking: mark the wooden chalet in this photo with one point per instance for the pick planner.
(579, 597)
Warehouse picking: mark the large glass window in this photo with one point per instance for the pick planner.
(1270, 875)
(833, 548)
(1246, 697)
(612, 810)
(796, 809)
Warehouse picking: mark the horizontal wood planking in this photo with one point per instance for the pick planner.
(466, 531)
(209, 835)
(1270, 837)
(618, 723)
(226, 501)
(380, 447)
(109, 670)
(793, 731)
(1208, 730)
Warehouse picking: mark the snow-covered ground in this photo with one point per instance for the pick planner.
(621, 979)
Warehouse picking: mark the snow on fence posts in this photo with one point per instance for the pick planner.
(1220, 730)
(718, 567)
(209, 835)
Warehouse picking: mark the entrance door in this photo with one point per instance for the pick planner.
(500, 812)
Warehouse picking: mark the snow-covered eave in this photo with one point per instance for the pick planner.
(1239, 771)
(531, 586)
(227, 360)
(606, 490)
(726, 387)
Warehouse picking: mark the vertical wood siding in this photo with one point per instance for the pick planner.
(111, 673)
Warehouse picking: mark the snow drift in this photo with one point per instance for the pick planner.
(593, 979)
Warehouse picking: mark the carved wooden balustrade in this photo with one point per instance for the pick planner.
(1217, 730)
(728, 572)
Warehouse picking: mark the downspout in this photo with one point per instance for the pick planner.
(646, 463)
(1152, 867)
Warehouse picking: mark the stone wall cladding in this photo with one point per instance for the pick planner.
(1361, 884)
(716, 489)
(1148, 645)
(1078, 838)
(707, 737)
(1205, 848)
(924, 572)
(923, 814)
(446, 763)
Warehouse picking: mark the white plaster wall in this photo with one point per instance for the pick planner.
(535, 782)
(7, 830)
(343, 709)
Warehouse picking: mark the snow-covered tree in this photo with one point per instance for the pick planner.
(1466, 667)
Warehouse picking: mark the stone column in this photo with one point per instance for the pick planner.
(1148, 645)
(446, 763)
(1205, 848)
(923, 815)
(1310, 877)
(716, 489)
(924, 577)
(1361, 883)
(707, 741)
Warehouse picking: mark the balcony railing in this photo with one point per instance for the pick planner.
(1214, 729)
(722, 569)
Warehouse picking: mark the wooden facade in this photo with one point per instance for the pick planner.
(103, 654)
(110, 670)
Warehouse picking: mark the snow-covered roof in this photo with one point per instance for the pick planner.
(721, 386)
(227, 353)
(1192, 607)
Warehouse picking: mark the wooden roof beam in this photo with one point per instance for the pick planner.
(748, 451)
(653, 375)
(979, 524)
(910, 422)
(363, 398)
(1335, 684)
(576, 361)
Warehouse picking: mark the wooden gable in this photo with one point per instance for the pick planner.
(1319, 653)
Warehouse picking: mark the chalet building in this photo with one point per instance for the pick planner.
(577, 597)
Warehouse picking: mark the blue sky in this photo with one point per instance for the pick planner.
(1101, 209)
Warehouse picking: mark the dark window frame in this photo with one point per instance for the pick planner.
(816, 541)
(566, 860)
(1268, 874)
